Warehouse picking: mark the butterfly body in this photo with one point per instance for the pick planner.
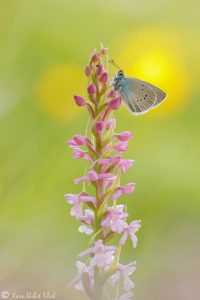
(139, 96)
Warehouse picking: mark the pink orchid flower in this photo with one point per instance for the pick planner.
(123, 272)
(130, 230)
(115, 218)
(92, 176)
(102, 255)
(123, 190)
(77, 201)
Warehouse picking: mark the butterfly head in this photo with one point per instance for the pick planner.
(120, 74)
(117, 79)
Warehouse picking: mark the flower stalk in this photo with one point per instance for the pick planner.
(100, 214)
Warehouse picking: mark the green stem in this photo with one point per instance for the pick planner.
(100, 190)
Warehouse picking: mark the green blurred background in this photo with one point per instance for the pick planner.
(44, 46)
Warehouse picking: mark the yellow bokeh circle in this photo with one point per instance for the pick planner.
(155, 55)
(56, 88)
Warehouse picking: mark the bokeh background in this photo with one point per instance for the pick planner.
(44, 46)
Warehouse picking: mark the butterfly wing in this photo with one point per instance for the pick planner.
(140, 96)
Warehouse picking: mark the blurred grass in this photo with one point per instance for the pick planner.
(36, 230)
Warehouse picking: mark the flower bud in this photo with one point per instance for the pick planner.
(91, 89)
(104, 78)
(103, 51)
(112, 94)
(114, 103)
(79, 100)
(124, 136)
(79, 140)
(100, 126)
(94, 58)
(87, 71)
(100, 69)
(111, 124)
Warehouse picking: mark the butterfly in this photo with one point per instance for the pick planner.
(139, 96)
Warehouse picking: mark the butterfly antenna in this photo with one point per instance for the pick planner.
(111, 61)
